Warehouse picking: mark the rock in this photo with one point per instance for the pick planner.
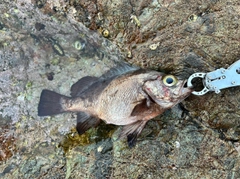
(51, 44)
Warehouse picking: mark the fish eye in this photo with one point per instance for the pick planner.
(170, 80)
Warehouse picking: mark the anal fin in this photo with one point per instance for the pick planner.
(85, 121)
(132, 131)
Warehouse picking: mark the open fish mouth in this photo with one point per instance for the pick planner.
(171, 96)
(123, 96)
(184, 91)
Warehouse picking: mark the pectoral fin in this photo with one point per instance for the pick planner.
(132, 131)
(85, 122)
(140, 108)
(143, 105)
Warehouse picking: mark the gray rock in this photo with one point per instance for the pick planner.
(45, 44)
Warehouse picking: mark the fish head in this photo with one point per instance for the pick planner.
(167, 90)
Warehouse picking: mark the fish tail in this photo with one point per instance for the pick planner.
(50, 103)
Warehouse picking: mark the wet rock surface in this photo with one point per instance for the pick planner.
(51, 44)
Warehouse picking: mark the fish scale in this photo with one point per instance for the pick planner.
(125, 95)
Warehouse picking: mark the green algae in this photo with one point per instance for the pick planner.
(93, 135)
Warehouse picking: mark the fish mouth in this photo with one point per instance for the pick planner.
(169, 97)
(184, 89)
(172, 99)
(182, 92)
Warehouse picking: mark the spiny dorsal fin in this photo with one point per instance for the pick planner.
(85, 122)
(119, 69)
(85, 82)
(82, 84)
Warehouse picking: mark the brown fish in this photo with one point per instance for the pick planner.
(125, 95)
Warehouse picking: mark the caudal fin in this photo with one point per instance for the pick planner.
(50, 103)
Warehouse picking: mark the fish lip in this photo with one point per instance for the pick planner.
(176, 97)
(185, 91)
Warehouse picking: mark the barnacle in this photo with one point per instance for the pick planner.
(58, 49)
(192, 17)
(129, 54)
(154, 46)
(55, 46)
(105, 33)
(78, 45)
(100, 16)
(135, 20)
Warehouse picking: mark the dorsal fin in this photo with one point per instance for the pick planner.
(119, 69)
(82, 84)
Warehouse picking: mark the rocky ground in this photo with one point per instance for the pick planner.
(51, 44)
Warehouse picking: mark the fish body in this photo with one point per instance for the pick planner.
(126, 96)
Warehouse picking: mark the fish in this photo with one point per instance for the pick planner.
(125, 96)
